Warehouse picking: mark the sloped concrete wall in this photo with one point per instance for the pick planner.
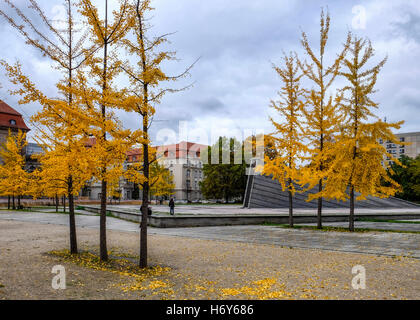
(263, 192)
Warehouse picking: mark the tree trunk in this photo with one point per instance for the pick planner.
(72, 220)
(290, 206)
(64, 203)
(102, 224)
(8, 202)
(13, 202)
(102, 221)
(143, 225)
(18, 201)
(319, 218)
(56, 203)
(351, 217)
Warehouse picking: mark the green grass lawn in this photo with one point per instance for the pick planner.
(336, 229)
(383, 220)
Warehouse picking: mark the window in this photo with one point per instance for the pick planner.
(401, 150)
(12, 122)
(402, 139)
(380, 141)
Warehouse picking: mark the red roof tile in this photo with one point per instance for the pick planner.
(10, 118)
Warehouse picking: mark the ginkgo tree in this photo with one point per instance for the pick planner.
(60, 121)
(322, 114)
(45, 186)
(162, 181)
(145, 92)
(100, 96)
(358, 162)
(288, 135)
(13, 176)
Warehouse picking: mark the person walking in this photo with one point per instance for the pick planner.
(172, 206)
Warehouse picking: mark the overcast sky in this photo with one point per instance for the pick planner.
(237, 41)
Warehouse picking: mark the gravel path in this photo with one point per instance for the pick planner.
(198, 269)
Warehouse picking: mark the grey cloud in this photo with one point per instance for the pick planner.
(238, 40)
(410, 28)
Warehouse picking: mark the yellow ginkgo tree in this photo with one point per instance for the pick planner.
(322, 114)
(145, 92)
(288, 135)
(61, 121)
(161, 181)
(358, 163)
(101, 96)
(13, 176)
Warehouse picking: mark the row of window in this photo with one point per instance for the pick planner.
(402, 139)
(196, 173)
(393, 151)
(189, 164)
(196, 186)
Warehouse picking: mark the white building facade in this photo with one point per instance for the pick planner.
(183, 162)
(411, 150)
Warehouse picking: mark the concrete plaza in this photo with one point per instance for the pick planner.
(224, 215)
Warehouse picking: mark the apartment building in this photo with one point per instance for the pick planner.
(412, 150)
(183, 160)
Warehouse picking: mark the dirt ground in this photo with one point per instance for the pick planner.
(193, 269)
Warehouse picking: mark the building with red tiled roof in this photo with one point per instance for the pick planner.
(11, 120)
(184, 161)
(135, 155)
(181, 150)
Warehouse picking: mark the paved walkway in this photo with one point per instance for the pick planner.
(385, 243)
(82, 221)
(60, 209)
(238, 210)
